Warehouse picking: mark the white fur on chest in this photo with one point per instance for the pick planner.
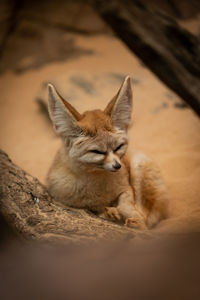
(92, 191)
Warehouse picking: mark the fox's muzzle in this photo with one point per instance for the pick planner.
(116, 166)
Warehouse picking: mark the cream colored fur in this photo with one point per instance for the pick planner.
(92, 169)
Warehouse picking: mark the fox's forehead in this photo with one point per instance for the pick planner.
(109, 140)
(95, 122)
(103, 140)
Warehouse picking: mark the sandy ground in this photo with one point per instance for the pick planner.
(162, 127)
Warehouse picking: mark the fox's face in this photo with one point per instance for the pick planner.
(95, 139)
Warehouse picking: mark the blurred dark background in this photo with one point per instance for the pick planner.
(51, 38)
(163, 33)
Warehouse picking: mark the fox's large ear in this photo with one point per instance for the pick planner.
(63, 115)
(120, 107)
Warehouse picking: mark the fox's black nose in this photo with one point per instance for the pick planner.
(116, 165)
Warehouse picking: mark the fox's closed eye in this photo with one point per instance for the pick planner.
(118, 147)
(98, 152)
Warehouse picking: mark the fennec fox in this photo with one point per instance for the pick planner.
(92, 170)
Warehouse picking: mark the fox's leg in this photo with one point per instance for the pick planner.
(112, 213)
(127, 209)
(149, 187)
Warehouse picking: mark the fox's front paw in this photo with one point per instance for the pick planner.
(135, 223)
(112, 213)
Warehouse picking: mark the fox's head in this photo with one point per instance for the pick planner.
(95, 139)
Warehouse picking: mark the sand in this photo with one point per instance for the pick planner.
(163, 127)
